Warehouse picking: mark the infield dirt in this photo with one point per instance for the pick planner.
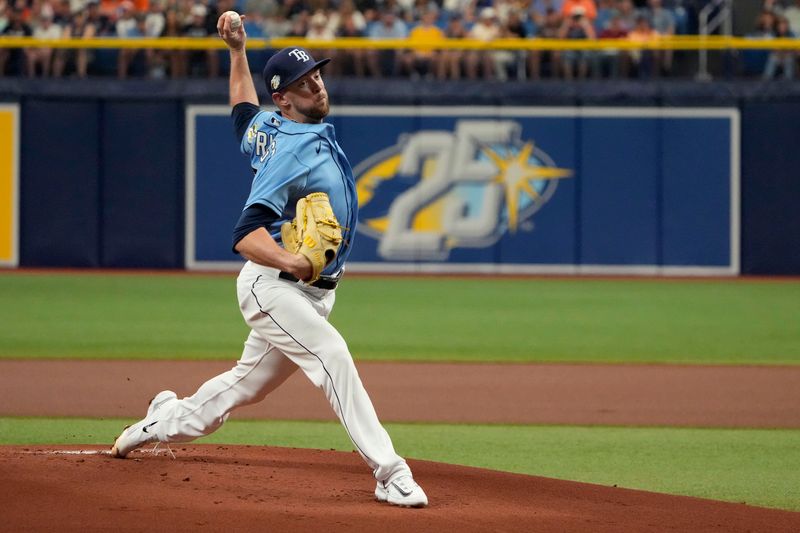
(248, 488)
(640, 395)
(222, 488)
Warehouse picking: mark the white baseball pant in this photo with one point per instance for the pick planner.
(289, 330)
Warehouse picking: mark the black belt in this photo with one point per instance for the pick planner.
(321, 283)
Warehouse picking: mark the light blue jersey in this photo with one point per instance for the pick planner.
(292, 160)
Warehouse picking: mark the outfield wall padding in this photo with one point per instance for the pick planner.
(142, 200)
(60, 183)
(771, 187)
(102, 162)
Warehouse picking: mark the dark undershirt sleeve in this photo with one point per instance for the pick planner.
(242, 114)
(254, 217)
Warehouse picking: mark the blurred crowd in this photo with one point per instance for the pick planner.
(778, 19)
(327, 20)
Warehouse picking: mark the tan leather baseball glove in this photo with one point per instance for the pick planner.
(314, 232)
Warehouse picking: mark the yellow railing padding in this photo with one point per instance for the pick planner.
(682, 42)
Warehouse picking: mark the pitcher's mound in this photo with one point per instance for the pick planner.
(247, 488)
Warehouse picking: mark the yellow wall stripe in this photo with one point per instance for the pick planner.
(9, 184)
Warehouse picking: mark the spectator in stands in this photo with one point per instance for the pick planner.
(502, 9)
(605, 11)
(643, 60)
(103, 27)
(451, 60)
(515, 24)
(575, 63)
(538, 9)
(214, 12)
(611, 62)
(127, 27)
(24, 8)
(299, 24)
(368, 8)
(627, 14)
(32, 13)
(126, 19)
(12, 60)
(347, 9)
(62, 13)
(486, 29)
(78, 26)
(765, 26)
(258, 9)
(426, 62)
(184, 9)
(41, 58)
(792, 15)
(292, 8)
(460, 8)
(390, 26)
(173, 27)
(512, 61)
(320, 30)
(275, 25)
(663, 22)
(773, 6)
(781, 59)
(202, 62)
(351, 25)
(155, 22)
(518, 22)
(110, 8)
(587, 8)
(546, 60)
(416, 11)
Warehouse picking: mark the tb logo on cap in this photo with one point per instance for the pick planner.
(299, 55)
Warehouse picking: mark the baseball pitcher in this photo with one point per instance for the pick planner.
(296, 231)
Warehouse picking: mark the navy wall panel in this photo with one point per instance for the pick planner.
(689, 236)
(217, 137)
(141, 212)
(60, 183)
(619, 196)
(770, 188)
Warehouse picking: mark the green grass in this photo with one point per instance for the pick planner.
(120, 316)
(758, 467)
(402, 319)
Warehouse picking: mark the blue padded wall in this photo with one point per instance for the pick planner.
(770, 188)
(60, 184)
(142, 207)
(102, 169)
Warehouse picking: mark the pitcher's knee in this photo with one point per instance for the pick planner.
(335, 359)
(337, 355)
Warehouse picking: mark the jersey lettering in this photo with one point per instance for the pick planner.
(265, 145)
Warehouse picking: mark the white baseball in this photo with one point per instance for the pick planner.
(236, 20)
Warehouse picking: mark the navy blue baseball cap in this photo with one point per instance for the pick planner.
(288, 66)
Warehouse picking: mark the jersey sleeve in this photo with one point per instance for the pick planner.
(242, 115)
(254, 217)
(248, 138)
